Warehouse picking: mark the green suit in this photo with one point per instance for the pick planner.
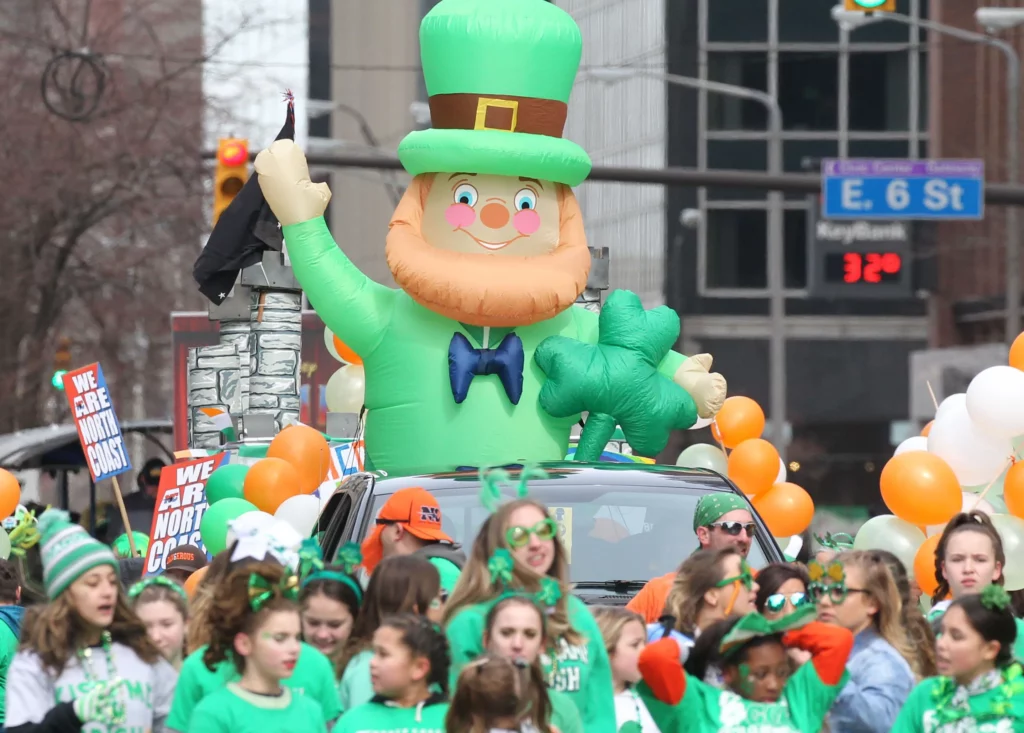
(413, 424)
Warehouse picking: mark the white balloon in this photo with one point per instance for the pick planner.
(917, 443)
(995, 401)
(781, 478)
(346, 389)
(5, 545)
(329, 343)
(702, 422)
(250, 522)
(975, 456)
(953, 402)
(300, 512)
(969, 502)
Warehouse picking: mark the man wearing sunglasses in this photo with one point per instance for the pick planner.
(720, 520)
(409, 523)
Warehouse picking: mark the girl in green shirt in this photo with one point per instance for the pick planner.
(518, 549)
(409, 670)
(400, 584)
(329, 600)
(256, 627)
(981, 688)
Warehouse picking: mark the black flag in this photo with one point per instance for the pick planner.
(245, 230)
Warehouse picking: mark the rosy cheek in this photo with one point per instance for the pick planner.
(526, 221)
(460, 215)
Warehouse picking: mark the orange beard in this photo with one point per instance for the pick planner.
(499, 291)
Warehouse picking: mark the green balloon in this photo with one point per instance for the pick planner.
(891, 533)
(702, 455)
(226, 483)
(213, 529)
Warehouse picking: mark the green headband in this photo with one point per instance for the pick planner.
(156, 581)
(713, 507)
(492, 480)
(838, 542)
(501, 565)
(337, 577)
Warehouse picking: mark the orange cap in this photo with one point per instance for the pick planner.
(414, 508)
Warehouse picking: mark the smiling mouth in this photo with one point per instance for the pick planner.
(493, 246)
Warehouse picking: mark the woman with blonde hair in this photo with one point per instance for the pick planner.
(517, 550)
(856, 591)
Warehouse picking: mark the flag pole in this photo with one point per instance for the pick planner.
(124, 516)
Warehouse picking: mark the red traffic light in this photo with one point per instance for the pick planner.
(233, 153)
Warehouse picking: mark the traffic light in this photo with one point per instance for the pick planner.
(61, 362)
(232, 173)
(870, 6)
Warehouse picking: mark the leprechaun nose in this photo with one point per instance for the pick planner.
(494, 216)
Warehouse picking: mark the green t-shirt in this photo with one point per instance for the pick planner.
(919, 714)
(379, 717)
(448, 571)
(8, 647)
(802, 708)
(234, 710)
(313, 677)
(355, 688)
(564, 714)
(582, 671)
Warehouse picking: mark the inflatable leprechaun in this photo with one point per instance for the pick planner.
(488, 249)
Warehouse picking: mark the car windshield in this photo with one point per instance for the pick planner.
(610, 533)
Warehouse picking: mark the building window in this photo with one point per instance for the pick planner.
(742, 69)
(794, 227)
(737, 248)
(879, 91)
(803, 21)
(320, 63)
(749, 155)
(808, 90)
(737, 21)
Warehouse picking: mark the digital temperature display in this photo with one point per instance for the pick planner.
(863, 267)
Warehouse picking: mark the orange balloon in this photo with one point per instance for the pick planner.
(10, 493)
(307, 450)
(715, 432)
(924, 565)
(1017, 353)
(753, 466)
(927, 429)
(786, 508)
(1013, 489)
(269, 482)
(192, 582)
(347, 355)
(921, 488)
(740, 418)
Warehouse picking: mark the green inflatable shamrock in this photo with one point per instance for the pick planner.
(616, 380)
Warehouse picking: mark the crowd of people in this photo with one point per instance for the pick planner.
(493, 640)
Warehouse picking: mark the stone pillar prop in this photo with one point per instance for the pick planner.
(236, 330)
(597, 281)
(212, 383)
(275, 320)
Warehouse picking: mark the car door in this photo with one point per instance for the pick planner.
(337, 518)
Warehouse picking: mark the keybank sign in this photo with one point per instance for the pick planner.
(861, 231)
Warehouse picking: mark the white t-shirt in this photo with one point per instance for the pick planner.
(629, 707)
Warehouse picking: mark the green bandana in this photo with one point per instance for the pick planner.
(713, 507)
(754, 626)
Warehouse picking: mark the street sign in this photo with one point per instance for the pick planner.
(903, 189)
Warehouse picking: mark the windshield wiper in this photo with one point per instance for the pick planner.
(619, 586)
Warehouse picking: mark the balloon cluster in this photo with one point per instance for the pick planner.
(276, 488)
(10, 498)
(965, 459)
(754, 466)
(346, 388)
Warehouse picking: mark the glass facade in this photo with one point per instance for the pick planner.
(794, 50)
(320, 63)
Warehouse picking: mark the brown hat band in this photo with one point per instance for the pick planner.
(507, 114)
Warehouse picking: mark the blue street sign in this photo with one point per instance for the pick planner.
(903, 189)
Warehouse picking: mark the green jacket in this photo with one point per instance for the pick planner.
(413, 424)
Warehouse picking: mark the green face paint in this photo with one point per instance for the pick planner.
(746, 683)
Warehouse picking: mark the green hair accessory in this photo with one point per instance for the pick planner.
(350, 557)
(156, 581)
(501, 566)
(754, 626)
(25, 534)
(836, 542)
(492, 481)
(261, 590)
(995, 598)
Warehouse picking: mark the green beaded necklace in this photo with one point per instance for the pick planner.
(85, 660)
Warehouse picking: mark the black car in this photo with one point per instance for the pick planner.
(622, 523)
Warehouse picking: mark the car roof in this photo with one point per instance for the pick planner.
(627, 476)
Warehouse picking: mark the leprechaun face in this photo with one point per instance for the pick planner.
(479, 214)
(489, 250)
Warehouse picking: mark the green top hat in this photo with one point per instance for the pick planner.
(499, 74)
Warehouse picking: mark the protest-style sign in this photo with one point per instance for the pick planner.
(180, 505)
(97, 424)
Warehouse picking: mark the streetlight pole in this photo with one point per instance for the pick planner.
(851, 19)
(776, 249)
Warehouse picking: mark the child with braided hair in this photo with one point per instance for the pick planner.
(981, 688)
(256, 627)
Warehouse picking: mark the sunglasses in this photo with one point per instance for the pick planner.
(734, 528)
(745, 578)
(777, 601)
(545, 530)
(836, 592)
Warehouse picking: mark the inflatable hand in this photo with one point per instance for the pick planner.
(616, 380)
(707, 390)
(284, 180)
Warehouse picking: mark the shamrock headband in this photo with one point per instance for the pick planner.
(156, 581)
(261, 590)
(836, 542)
(995, 598)
(501, 566)
(312, 568)
(755, 626)
(830, 579)
(25, 534)
(492, 480)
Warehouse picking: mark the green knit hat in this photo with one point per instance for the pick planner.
(498, 74)
(68, 552)
(713, 507)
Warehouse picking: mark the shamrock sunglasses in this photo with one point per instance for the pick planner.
(545, 530)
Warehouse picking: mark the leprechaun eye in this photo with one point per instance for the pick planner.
(466, 194)
(526, 199)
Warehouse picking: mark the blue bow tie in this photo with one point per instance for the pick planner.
(465, 362)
